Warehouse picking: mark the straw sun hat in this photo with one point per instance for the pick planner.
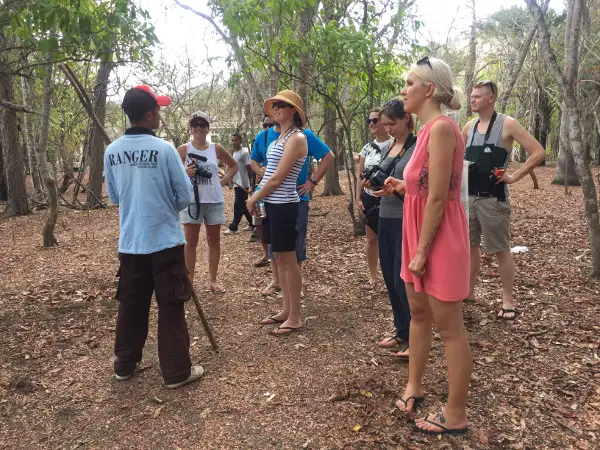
(289, 97)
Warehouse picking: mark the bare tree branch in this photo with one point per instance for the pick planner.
(15, 107)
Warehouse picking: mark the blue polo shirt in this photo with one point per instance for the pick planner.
(316, 148)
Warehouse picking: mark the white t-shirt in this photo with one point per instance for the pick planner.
(372, 156)
(242, 158)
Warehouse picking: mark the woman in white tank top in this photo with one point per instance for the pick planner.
(278, 191)
(207, 206)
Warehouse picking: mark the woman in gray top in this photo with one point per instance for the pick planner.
(399, 124)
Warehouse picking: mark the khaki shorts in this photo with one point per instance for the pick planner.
(489, 217)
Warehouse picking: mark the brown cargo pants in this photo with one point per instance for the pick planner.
(162, 272)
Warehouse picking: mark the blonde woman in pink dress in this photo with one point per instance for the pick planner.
(435, 244)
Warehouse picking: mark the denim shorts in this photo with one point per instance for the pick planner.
(210, 214)
(302, 227)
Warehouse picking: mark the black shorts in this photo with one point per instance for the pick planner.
(371, 211)
(279, 226)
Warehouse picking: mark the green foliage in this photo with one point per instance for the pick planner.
(116, 30)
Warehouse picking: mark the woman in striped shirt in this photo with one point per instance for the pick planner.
(285, 158)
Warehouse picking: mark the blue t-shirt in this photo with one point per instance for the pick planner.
(146, 178)
(316, 148)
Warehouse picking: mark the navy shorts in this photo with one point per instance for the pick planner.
(279, 226)
(302, 227)
(371, 211)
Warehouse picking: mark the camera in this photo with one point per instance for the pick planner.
(496, 174)
(200, 171)
(376, 176)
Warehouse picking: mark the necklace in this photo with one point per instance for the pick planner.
(286, 133)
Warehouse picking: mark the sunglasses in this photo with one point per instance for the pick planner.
(491, 85)
(281, 105)
(372, 121)
(425, 60)
(200, 125)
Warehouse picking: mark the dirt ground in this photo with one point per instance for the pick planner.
(536, 382)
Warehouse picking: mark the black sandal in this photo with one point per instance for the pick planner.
(390, 339)
(272, 319)
(442, 419)
(502, 314)
(406, 347)
(417, 402)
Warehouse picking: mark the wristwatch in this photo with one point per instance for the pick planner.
(312, 181)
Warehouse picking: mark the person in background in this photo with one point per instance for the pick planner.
(399, 125)
(278, 191)
(241, 184)
(320, 152)
(489, 140)
(368, 204)
(435, 244)
(146, 179)
(208, 204)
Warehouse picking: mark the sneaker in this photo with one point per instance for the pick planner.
(128, 376)
(195, 373)
(228, 231)
(248, 228)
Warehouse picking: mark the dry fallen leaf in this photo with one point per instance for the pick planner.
(356, 428)
(157, 411)
(366, 393)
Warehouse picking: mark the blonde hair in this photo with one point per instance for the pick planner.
(376, 109)
(440, 75)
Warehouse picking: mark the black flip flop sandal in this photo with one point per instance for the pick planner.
(417, 402)
(442, 419)
(390, 339)
(272, 319)
(505, 311)
(289, 330)
(402, 351)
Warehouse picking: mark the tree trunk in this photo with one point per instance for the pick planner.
(95, 145)
(332, 179)
(3, 187)
(30, 140)
(303, 72)
(470, 69)
(567, 82)
(14, 165)
(45, 171)
(565, 165)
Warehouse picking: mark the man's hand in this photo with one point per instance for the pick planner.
(190, 169)
(309, 186)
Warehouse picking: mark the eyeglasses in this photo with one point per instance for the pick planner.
(200, 125)
(372, 121)
(281, 105)
(425, 60)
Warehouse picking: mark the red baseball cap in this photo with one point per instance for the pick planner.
(140, 99)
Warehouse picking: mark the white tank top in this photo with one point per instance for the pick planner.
(287, 191)
(209, 189)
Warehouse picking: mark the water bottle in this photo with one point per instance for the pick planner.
(260, 209)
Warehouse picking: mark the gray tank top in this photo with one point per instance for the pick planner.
(478, 139)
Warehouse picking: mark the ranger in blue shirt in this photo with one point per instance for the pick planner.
(258, 160)
(145, 177)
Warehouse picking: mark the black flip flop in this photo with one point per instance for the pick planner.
(417, 402)
(504, 311)
(402, 351)
(291, 330)
(442, 419)
(390, 339)
(273, 319)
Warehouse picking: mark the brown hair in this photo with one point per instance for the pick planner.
(376, 109)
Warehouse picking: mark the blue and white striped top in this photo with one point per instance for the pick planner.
(286, 192)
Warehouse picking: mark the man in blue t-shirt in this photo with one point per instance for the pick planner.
(258, 160)
(145, 177)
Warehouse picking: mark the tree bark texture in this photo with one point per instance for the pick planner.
(567, 81)
(14, 164)
(303, 71)
(3, 187)
(49, 240)
(95, 143)
(470, 69)
(30, 140)
(332, 180)
(565, 165)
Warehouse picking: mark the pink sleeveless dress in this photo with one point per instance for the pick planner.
(447, 267)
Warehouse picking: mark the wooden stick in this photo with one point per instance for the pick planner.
(209, 333)
(84, 99)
